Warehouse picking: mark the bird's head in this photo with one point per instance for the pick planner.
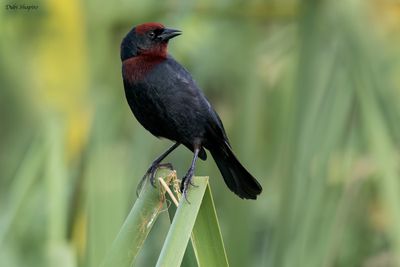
(147, 39)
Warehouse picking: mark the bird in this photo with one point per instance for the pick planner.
(168, 103)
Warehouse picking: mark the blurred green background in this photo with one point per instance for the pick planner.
(309, 95)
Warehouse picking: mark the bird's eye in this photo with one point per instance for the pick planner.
(151, 34)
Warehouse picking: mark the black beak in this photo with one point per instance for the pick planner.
(169, 34)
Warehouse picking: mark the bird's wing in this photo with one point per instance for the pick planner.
(181, 95)
(214, 123)
(217, 128)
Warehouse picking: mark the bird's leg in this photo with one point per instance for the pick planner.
(187, 179)
(154, 166)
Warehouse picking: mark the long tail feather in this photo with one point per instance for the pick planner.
(236, 177)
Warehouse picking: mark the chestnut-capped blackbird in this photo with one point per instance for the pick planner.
(167, 101)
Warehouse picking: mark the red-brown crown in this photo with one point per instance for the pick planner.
(150, 26)
(147, 39)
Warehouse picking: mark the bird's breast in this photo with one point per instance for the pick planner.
(135, 69)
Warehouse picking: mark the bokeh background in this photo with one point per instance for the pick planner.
(308, 92)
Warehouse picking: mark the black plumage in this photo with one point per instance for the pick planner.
(168, 103)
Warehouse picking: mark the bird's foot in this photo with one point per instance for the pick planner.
(151, 173)
(186, 181)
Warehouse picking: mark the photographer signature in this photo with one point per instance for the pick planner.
(21, 7)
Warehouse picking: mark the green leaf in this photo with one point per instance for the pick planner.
(22, 183)
(206, 237)
(189, 259)
(181, 228)
(206, 247)
(138, 224)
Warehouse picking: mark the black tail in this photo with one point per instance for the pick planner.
(236, 177)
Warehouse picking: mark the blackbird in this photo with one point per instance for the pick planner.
(166, 100)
